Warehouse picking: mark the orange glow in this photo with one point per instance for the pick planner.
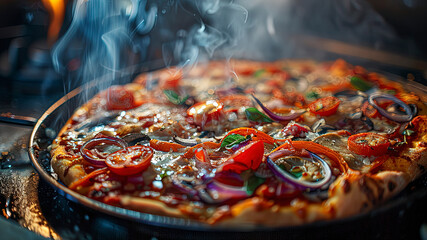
(56, 10)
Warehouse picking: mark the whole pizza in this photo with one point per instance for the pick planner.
(246, 143)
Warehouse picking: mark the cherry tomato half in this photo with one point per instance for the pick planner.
(204, 112)
(120, 98)
(368, 144)
(324, 106)
(130, 160)
(247, 157)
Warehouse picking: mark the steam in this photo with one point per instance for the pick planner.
(117, 37)
(105, 37)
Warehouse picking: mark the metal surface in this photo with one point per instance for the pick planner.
(392, 216)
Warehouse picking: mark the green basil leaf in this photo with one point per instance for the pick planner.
(360, 84)
(253, 183)
(232, 140)
(258, 73)
(174, 98)
(256, 116)
(312, 95)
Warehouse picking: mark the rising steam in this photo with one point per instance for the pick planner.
(115, 37)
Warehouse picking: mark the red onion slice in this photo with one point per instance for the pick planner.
(216, 192)
(98, 141)
(276, 117)
(193, 142)
(179, 183)
(394, 117)
(287, 177)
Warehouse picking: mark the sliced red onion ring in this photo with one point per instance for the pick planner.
(193, 142)
(276, 117)
(216, 192)
(179, 183)
(98, 141)
(394, 117)
(287, 177)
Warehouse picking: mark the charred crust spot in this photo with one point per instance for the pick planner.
(422, 144)
(379, 188)
(422, 168)
(346, 186)
(391, 186)
(363, 183)
(365, 205)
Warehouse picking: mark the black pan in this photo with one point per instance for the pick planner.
(399, 217)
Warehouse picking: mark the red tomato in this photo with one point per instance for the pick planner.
(201, 155)
(247, 157)
(171, 78)
(204, 112)
(368, 144)
(236, 100)
(324, 106)
(120, 98)
(130, 160)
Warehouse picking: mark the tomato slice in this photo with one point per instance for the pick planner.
(324, 106)
(130, 160)
(165, 146)
(247, 157)
(201, 155)
(256, 135)
(204, 112)
(120, 98)
(236, 101)
(368, 144)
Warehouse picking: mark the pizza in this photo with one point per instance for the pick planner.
(246, 143)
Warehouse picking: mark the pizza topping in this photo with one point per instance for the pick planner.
(192, 141)
(94, 151)
(88, 179)
(368, 144)
(360, 84)
(174, 98)
(256, 116)
(304, 173)
(120, 98)
(276, 117)
(204, 112)
(324, 106)
(130, 160)
(235, 141)
(295, 130)
(217, 192)
(165, 146)
(409, 113)
(255, 135)
(247, 157)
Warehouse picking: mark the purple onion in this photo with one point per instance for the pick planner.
(236, 147)
(276, 117)
(287, 177)
(216, 192)
(135, 179)
(192, 142)
(179, 183)
(394, 117)
(98, 141)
